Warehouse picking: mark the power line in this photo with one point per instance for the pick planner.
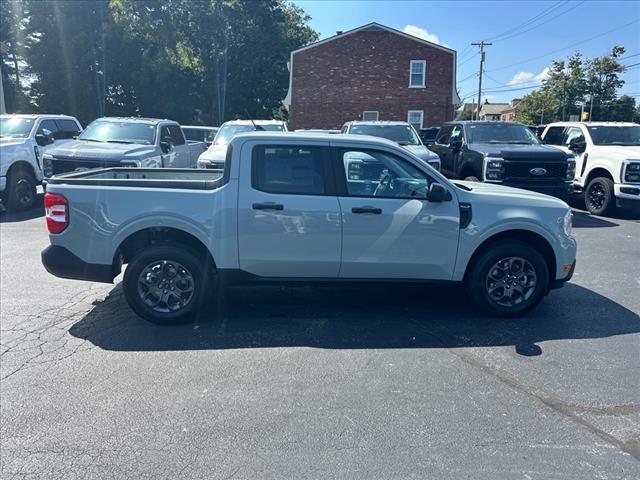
(571, 7)
(527, 22)
(567, 47)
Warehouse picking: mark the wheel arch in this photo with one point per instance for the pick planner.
(22, 165)
(145, 237)
(596, 172)
(531, 238)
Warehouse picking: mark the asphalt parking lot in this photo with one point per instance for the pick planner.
(374, 382)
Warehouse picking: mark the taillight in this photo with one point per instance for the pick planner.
(56, 210)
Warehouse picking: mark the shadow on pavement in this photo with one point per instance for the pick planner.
(577, 204)
(35, 212)
(586, 220)
(358, 318)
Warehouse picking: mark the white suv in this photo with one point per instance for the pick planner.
(607, 161)
(23, 140)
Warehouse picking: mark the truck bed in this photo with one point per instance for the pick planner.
(181, 178)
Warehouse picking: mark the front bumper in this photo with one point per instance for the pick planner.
(559, 190)
(559, 283)
(62, 263)
(628, 193)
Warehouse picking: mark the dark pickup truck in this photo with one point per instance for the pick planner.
(507, 153)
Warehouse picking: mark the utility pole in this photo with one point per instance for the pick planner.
(482, 44)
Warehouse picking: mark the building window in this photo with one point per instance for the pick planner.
(370, 115)
(415, 118)
(417, 73)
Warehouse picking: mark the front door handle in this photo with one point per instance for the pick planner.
(267, 206)
(375, 210)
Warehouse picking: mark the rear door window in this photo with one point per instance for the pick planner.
(293, 170)
(444, 134)
(68, 128)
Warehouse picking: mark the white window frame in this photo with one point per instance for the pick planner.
(424, 73)
(421, 112)
(371, 111)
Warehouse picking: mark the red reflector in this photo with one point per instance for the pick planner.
(56, 210)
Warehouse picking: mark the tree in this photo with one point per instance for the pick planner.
(14, 41)
(603, 82)
(622, 109)
(566, 85)
(464, 115)
(538, 107)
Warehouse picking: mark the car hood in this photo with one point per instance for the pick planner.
(422, 152)
(8, 142)
(617, 152)
(511, 151)
(215, 153)
(508, 195)
(100, 151)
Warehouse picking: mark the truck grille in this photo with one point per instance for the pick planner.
(522, 170)
(65, 165)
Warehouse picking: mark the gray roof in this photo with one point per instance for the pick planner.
(493, 108)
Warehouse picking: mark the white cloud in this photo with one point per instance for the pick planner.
(528, 77)
(422, 33)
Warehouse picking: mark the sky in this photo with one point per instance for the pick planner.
(526, 35)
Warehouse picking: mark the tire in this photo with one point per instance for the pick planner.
(22, 192)
(166, 284)
(471, 178)
(526, 291)
(599, 197)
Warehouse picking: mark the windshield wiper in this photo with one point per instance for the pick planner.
(90, 140)
(402, 144)
(119, 141)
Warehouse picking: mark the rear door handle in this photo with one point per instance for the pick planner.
(267, 206)
(375, 210)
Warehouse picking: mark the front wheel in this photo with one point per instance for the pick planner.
(599, 196)
(508, 279)
(21, 190)
(165, 284)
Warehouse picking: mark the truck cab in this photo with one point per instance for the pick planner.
(505, 153)
(118, 142)
(23, 141)
(607, 161)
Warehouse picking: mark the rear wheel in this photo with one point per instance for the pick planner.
(599, 196)
(21, 190)
(165, 284)
(509, 279)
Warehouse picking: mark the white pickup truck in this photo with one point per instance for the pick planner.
(23, 140)
(607, 161)
(288, 208)
(121, 142)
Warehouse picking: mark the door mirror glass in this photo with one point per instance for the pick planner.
(456, 144)
(165, 146)
(578, 145)
(44, 138)
(437, 193)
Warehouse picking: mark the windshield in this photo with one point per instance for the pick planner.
(402, 134)
(120, 132)
(615, 135)
(273, 127)
(501, 133)
(16, 127)
(227, 132)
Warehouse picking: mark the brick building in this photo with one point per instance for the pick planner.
(371, 72)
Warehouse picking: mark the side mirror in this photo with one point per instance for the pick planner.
(578, 146)
(455, 144)
(165, 146)
(45, 138)
(437, 193)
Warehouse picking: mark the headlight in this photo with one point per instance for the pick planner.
(571, 170)
(493, 169)
(632, 172)
(47, 165)
(567, 223)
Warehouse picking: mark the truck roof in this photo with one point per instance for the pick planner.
(137, 119)
(483, 122)
(592, 124)
(377, 122)
(37, 115)
(314, 137)
(257, 122)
